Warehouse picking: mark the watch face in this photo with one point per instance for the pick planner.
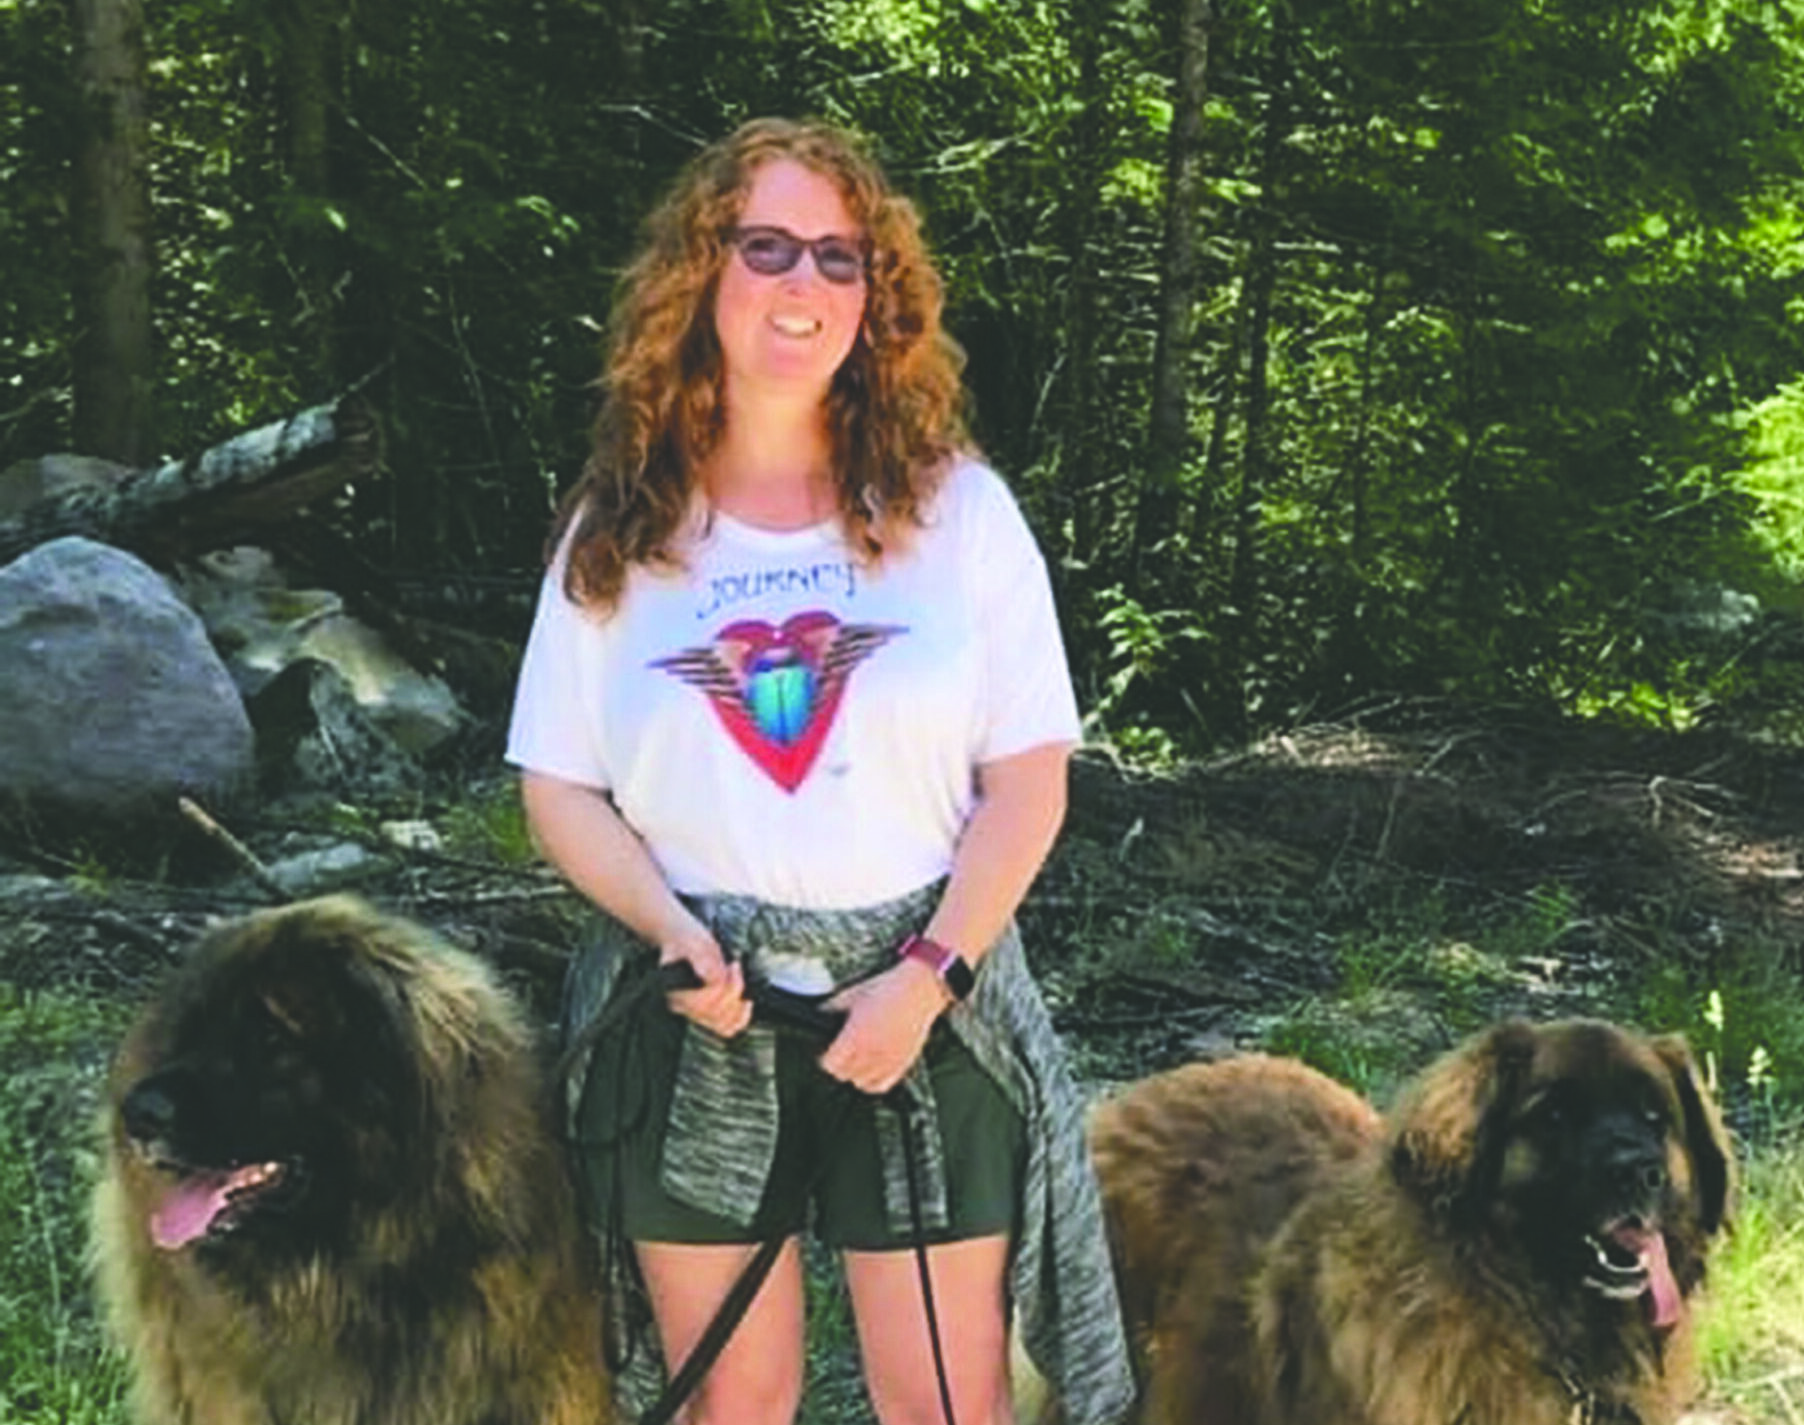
(958, 977)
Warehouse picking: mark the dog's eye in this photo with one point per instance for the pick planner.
(1549, 1113)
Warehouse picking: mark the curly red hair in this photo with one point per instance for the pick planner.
(894, 410)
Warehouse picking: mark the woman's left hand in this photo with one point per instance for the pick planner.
(887, 1021)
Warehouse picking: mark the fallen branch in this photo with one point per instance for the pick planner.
(466, 900)
(238, 851)
(215, 498)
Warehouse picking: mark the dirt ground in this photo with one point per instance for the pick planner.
(1568, 862)
(1184, 912)
(1376, 887)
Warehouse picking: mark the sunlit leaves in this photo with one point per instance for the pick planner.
(1775, 476)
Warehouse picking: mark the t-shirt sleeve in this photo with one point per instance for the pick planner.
(1028, 700)
(554, 729)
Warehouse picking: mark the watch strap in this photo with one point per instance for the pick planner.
(953, 969)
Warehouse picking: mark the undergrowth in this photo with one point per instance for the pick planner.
(1414, 975)
(54, 1364)
(1751, 1331)
(491, 823)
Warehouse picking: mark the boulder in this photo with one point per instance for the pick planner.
(314, 734)
(112, 701)
(263, 627)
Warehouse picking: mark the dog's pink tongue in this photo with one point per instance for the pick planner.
(189, 1209)
(1650, 1247)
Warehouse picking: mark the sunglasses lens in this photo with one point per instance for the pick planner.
(838, 260)
(769, 252)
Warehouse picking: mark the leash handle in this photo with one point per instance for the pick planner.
(771, 1006)
(678, 975)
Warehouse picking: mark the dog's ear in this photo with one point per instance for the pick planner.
(1451, 1126)
(1707, 1141)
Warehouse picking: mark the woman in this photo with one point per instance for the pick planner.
(795, 707)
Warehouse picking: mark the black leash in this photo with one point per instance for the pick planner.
(798, 1014)
(912, 1166)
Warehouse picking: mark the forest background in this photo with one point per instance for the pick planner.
(1400, 345)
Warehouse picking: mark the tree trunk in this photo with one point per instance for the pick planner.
(1470, 504)
(1344, 660)
(307, 29)
(1079, 472)
(1257, 460)
(110, 231)
(1168, 431)
(1243, 586)
(252, 481)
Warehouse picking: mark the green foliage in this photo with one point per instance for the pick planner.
(36, 136)
(1410, 982)
(1744, 1018)
(1774, 478)
(53, 1363)
(1371, 1063)
(490, 824)
(1547, 914)
(1141, 650)
(1527, 281)
(1421, 943)
(834, 1392)
(1752, 1327)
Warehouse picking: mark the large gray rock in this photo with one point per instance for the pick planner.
(112, 701)
(262, 628)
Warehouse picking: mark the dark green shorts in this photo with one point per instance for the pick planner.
(821, 1123)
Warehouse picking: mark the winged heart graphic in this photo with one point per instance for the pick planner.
(776, 689)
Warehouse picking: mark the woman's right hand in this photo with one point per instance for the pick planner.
(583, 834)
(720, 1005)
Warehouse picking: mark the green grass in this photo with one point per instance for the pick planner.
(1408, 982)
(54, 1364)
(1751, 1334)
(1362, 1042)
(834, 1392)
(490, 824)
(1744, 1019)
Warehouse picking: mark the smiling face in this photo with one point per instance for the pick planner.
(1593, 1168)
(1585, 1150)
(275, 1087)
(787, 334)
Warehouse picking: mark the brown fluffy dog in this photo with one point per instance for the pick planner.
(1517, 1246)
(330, 1197)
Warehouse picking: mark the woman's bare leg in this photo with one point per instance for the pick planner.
(757, 1379)
(970, 1298)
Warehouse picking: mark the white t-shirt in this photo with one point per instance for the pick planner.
(780, 721)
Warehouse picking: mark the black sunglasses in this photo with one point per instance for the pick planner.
(770, 252)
